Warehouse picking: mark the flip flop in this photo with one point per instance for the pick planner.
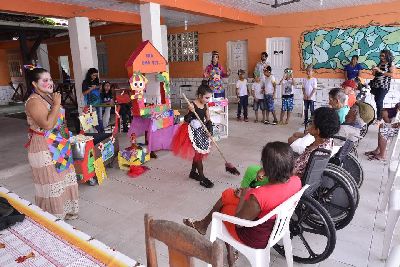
(374, 157)
(369, 153)
(190, 222)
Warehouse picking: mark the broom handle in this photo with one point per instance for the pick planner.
(205, 129)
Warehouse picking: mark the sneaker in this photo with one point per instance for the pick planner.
(274, 123)
(194, 175)
(267, 122)
(246, 120)
(206, 183)
(92, 182)
(238, 119)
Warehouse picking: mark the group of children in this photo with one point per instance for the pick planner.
(263, 91)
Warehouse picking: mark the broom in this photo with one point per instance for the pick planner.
(228, 166)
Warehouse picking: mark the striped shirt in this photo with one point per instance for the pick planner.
(382, 81)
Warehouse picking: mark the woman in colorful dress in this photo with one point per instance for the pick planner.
(214, 74)
(49, 149)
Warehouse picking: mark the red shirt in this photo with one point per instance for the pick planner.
(268, 197)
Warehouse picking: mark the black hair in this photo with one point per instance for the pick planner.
(388, 55)
(268, 68)
(89, 74)
(264, 54)
(104, 84)
(354, 56)
(34, 76)
(203, 88)
(278, 161)
(241, 72)
(326, 120)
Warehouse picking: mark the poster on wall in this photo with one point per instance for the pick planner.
(333, 48)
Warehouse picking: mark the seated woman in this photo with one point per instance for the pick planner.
(324, 126)
(337, 100)
(254, 203)
(388, 129)
(106, 98)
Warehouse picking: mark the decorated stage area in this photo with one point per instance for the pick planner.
(113, 212)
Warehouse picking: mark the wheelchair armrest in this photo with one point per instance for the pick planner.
(341, 138)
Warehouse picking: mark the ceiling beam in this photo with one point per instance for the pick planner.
(66, 11)
(206, 8)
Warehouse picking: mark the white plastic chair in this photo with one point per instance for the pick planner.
(393, 171)
(391, 221)
(260, 257)
(394, 257)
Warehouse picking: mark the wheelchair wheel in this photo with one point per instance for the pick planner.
(347, 178)
(310, 244)
(353, 166)
(336, 195)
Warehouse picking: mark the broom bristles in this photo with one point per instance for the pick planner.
(231, 169)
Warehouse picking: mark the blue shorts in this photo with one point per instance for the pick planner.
(287, 104)
(258, 104)
(269, 103)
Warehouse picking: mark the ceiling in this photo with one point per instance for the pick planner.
(172, 18)
(263, 7)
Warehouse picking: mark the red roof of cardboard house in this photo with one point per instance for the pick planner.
(146, 59)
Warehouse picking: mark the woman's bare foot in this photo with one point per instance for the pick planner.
(197, 225)
(377, 157)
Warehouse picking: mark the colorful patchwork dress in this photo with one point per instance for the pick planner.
(214, 74)
(50, 156)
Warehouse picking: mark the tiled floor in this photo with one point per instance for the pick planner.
(113, 212)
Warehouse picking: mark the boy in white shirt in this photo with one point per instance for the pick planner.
(243, 96)
(269, 87)
(258, 95)
(309, 90)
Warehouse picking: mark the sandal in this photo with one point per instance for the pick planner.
(190, 222)
(375, 157)
(267, 122)
(370, 153)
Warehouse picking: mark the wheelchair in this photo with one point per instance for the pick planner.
(329, 204)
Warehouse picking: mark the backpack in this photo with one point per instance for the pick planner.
(8, 215)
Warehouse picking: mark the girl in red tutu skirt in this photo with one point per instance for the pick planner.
(191, 141)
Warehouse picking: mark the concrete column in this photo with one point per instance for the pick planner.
(164, 41)
(94, 52)
(43, 56)
(151, 30)
(81, 52)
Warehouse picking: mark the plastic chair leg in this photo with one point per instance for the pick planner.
(287, 243)
(388, 187)
(392, 218)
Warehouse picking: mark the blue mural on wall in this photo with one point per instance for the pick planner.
(333, 48)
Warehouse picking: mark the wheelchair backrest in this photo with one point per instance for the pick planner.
(344, 150)
(316, 165)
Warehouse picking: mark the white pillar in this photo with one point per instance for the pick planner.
(94, 52)
(43, 57)
(151, 30)
(164, 41)
(81, 52)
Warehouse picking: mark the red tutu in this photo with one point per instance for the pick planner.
(182, 146)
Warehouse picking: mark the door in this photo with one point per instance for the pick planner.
(237, 59)
(15, 67)
(278, 49)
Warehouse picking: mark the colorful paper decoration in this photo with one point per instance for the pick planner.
(108, 150)
(85, 168)
(88, 120)
(146, 59)
(138, 84)
(137, 158)
(164, 78)
(100, 170)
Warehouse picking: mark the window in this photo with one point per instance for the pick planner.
(102, 58)
(183, 47)
(14, 65)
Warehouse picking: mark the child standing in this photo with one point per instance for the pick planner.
(258, 95)
(243, 96)
(309, 90)
(269, 87)
(191, 141)
(287, 83)
(107, 98)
